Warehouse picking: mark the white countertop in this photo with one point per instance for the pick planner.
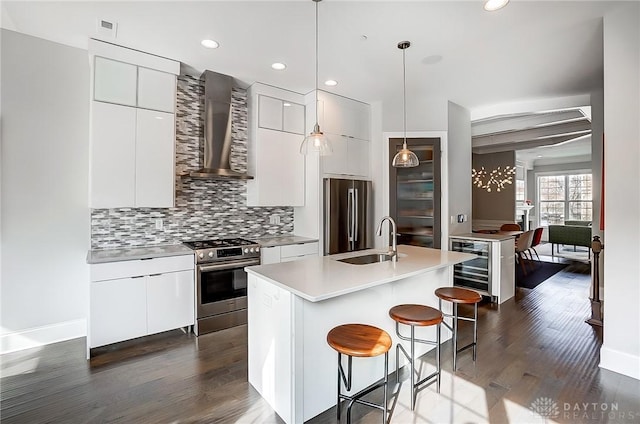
(98, 256)
(483, 236)
(323, 277)
(271, 241)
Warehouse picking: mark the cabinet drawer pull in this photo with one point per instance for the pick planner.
(146, 259)
(138, 276)
(154, 275)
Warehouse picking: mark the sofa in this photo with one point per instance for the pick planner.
(576, 233)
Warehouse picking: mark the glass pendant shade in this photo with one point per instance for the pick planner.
(316, 142)
(405, 158)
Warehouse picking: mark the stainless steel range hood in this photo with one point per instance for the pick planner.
(217, 129)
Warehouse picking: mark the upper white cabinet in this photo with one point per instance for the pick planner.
(114, 81)
(276, 128)
(345, 122)
(132, 128)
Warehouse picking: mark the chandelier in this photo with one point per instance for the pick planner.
(498, 177)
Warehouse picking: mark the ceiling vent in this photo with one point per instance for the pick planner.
(106, 28)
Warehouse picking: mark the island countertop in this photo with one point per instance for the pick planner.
(324, 277)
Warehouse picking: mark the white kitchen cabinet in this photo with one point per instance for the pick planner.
(132, 128)
(130, 299)
(280, 115)
(345, 122)
(114, 81)
(343, 116)
(132, 157)
(170, 301)
(287, 253)
(293, 118)
(154, 159)
(118, 310)
(113, 156)
(275, 134)
(156, 90)
(350, 156)
(279, 171)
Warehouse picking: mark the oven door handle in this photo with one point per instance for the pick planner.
(219, 267)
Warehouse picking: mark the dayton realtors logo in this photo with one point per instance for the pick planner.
(544, 407)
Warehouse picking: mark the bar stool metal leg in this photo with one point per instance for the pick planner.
(455, 335)
(475, 331)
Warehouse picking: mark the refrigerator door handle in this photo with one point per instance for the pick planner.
(356, 216)
(350, 216)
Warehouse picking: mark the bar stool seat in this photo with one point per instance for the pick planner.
(417, 316)
(458, 295)
(362, 341)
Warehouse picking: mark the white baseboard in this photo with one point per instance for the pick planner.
(40, 336)
(620, 362)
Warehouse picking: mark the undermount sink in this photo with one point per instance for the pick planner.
(370, 258)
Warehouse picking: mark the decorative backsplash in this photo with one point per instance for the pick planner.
(204, 209)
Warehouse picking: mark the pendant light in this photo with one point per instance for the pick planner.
(405, 158)
(316, 141)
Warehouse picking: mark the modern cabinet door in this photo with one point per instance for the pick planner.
(170, 301)
(343, 116)
(350, 156)
(156, 90)
(358, 157)
(293, 118)
(112, 162)
(270, 255)
(270, 113)
(114, 82)
(279, 179)
(118, 310)
(154, 159)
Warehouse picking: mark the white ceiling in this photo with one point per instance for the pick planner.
(528, 50)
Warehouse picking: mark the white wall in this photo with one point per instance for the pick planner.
(459, 168)
(423, 114)
(621, 348)
(45, 218)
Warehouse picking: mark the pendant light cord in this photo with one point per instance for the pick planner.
(317, 114)
(404, 97)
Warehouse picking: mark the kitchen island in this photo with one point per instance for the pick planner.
(292, 306)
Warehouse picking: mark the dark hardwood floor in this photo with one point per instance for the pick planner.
(532, 349)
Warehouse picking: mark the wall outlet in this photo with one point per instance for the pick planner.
(159, 224)
(274, 219)
(460, 218)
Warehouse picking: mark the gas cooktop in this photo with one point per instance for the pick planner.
(215, 244)
(223, 250)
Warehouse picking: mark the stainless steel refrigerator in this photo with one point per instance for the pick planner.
(348, 215)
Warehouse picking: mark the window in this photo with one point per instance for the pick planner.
(564, 197)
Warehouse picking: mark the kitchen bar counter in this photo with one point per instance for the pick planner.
(98, 256)
(497, 236)
(293, 305)
(323, 277)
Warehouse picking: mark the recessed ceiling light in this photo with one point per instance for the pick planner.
(492, 5)
(210, 44)
(539, 156)
(331, 83)
(278, 66)
(286, 104)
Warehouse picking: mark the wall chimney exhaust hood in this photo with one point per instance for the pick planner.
(217, 129)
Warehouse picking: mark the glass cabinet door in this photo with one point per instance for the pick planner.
(415, 193)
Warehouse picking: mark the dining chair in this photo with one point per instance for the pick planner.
(510, 227)
(523, 243)
(537, 237)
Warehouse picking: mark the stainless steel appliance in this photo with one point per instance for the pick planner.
(221, 282)
(348, 215)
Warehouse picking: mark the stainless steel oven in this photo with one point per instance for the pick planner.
(221, 282)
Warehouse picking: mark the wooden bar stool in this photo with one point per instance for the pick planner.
(363, 341)
(458, 295)
(417, 316)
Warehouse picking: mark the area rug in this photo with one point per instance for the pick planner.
(541, 272)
